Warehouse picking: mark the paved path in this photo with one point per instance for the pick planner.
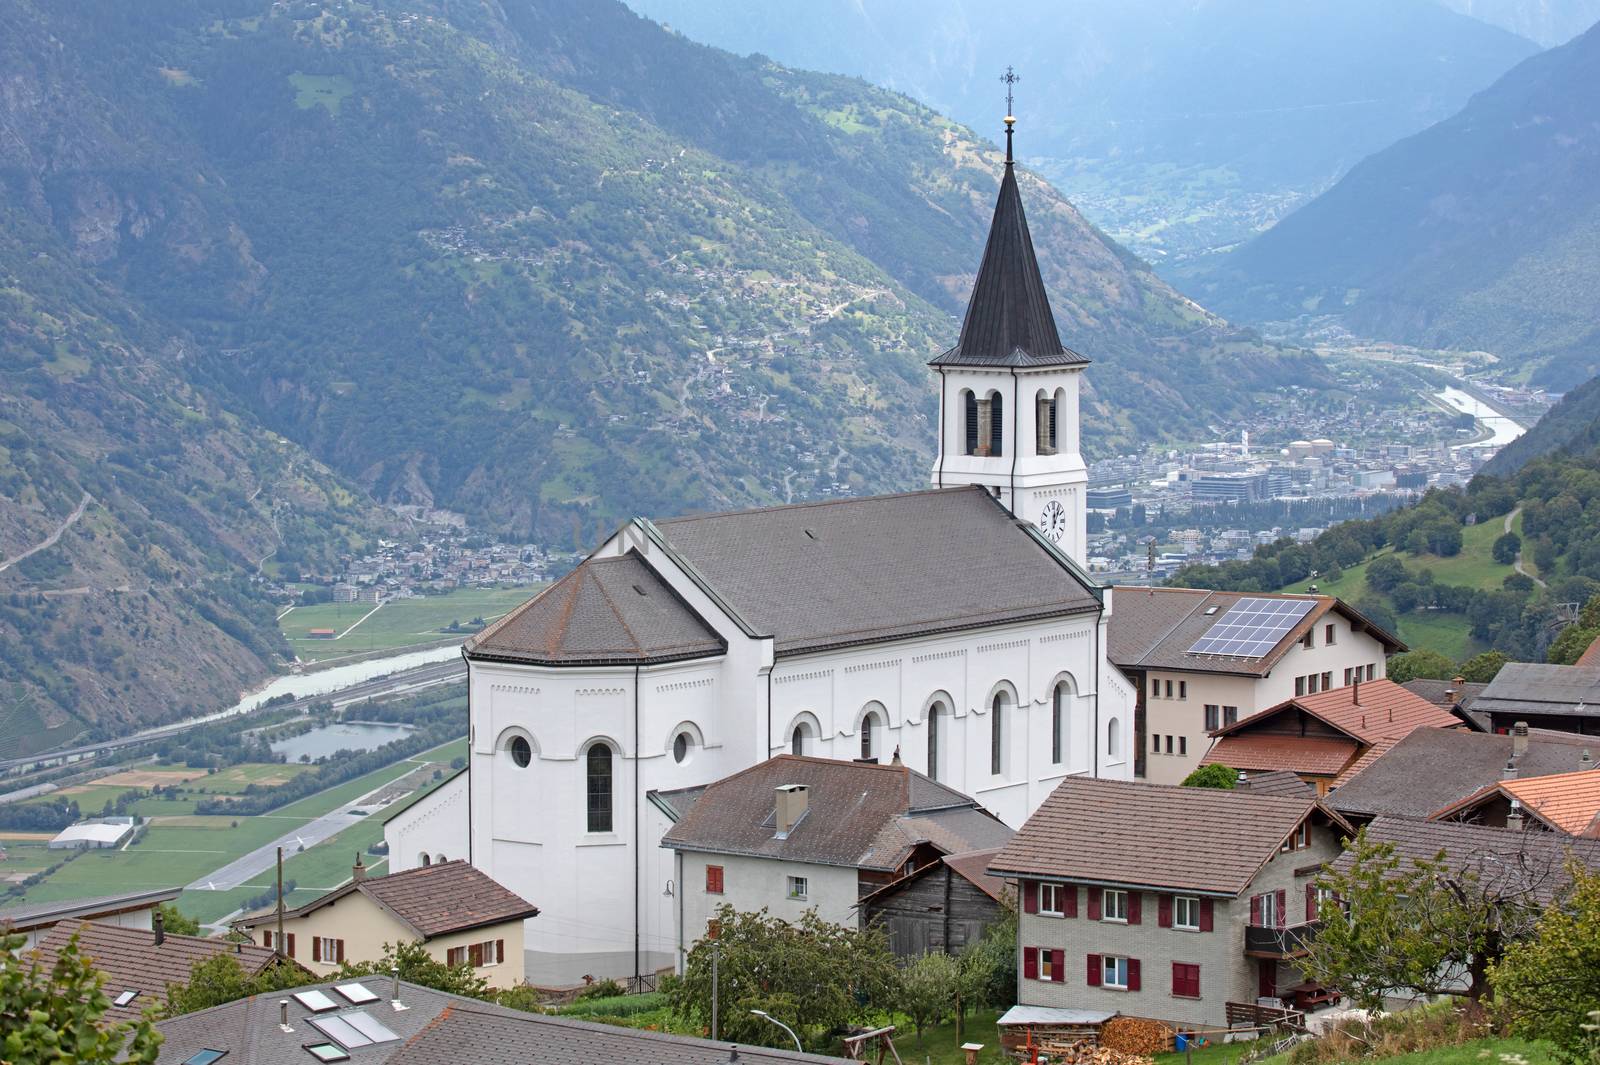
(243, 870)
(1517, 564)
(50, 541)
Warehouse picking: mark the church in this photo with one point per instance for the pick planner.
(953, 627)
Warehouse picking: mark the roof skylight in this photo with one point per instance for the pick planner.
(205, 1057)
(327, 1052)
(125, 998)
(352, 1030)
(315, 1001)
(356, 994)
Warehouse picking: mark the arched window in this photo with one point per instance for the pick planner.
(426, 861)
(869, 722)
(797, 741)
(997, 732)
(1058, 707)
(803, 734)
(969, 411)
(934, 713)
(1045, 421)
(438, 859)
(597, 769)
(996, 422)
(1114, 739)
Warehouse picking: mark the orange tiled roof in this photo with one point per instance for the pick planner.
(1386, 709)
(1567, 802)
(1591, 654)
(1322, 756)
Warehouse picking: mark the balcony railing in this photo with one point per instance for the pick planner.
(1287, 942)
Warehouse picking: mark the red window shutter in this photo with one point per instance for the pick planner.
(1311, 902)
(1030, 963)
(266, 940)
(1179, 979)
(1164, 911)
(1135, 904)
(316, 948)
(1283, 906)
(1205, 915)
(499, 951)
(1030, 896)
(1058, 966)
(1094, 903)
(1255, 911)
(1070, 909)
(1094, 970)
(339, 944)
(475, 954)
(291, 944)
(1133, 974)
(1194, 980)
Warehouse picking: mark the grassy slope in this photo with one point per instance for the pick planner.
(1474, 567)
(402, 623)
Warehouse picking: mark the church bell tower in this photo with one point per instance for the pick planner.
(1008, 390)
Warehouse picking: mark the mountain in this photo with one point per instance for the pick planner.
(1178, 126)
(1482, 232)
(1546, 22)
(267, 266)
(1572, 425)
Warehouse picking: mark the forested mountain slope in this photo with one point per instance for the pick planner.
(1572, 425)
(1480, 232)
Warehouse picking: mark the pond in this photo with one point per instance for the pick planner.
(345, 736)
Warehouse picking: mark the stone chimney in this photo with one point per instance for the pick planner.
(358, 871)
(896, 759)
(1584, 761)
(158, 925)
(1355, 692)
(790, 808)
(1514, 815)
(1510, 771)
(1519, 739)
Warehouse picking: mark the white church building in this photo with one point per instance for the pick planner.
(954, 624)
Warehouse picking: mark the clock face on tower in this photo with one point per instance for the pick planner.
(1053, 521)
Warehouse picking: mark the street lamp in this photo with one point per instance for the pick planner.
(764, 1015)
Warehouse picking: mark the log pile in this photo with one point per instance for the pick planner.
(1134, 1036)
(1084, 1052)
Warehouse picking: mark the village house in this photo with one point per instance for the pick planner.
(1568, 803)
(1563, 698)
(139, 963)
(1167, 903)
(797, 833)
(134, 909)
(1431, 769)
(1203, 660)
(386, 1021)
(457, 912)
(1327, 738)
(942, 906)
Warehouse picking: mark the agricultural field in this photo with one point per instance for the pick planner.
(22, 729)
(360, 627)
(26, 854)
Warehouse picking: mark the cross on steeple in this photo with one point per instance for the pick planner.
(1010, 78)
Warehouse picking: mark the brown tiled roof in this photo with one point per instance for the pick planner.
(1566, 802)
(1430, 769)
(1153, 628)
(974, 867)
(607, 611)
(1439, 692)
(1518, 859)
(434, 900)
(1591, 654)
(1322, 756)
(857, 814)
(1153, 836)
(131, 960)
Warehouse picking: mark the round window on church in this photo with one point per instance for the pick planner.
(521, 751)
(682, 744)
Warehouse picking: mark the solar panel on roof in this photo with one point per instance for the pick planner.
(356, 994)
(1252, 627)
(315, 1001)
(370, 1027)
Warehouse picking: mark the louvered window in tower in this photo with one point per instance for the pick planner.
(996, 422)
(970, 410)
(1046, 421)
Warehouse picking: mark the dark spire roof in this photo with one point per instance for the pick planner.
(1008, 319)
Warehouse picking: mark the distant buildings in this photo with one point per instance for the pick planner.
(89, 835)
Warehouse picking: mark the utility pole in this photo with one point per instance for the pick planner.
(277, 941)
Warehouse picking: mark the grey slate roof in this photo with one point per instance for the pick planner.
(1008, 321)
(1517, 858)
(38, 914)
(607, 611)
(440, 1029)
(1540, 688)
(1155, 836)
(843, 572)
(1153, 628)
(858, 815)
(1275, 782)
(1434, 768)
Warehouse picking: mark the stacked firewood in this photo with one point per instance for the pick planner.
(1134, 1036)
(1083, 1052)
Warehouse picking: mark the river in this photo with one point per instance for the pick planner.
(1504, 429)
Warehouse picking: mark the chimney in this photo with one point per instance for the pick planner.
(1519, 739)
(1584, 761)
(1455, 688)
(358, 871)
(1510, 771)
(1514, 815)
(158, 924)
(791, 806)
(896, 759)
(283, 1015)
(1355, 692)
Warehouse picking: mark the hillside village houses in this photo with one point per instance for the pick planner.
(955, 624)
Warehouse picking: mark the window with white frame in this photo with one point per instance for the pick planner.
(1186, 913)
(1114, 905)
(799, 887)
(1052, 899)
(1047, 969)
(1113, 971)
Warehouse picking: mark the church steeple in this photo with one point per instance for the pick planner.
(1009, 322)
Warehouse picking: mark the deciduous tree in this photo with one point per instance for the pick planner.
(57, 1015)
(1548, 985)
(1212, 776)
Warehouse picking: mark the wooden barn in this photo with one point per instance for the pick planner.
(942, 906)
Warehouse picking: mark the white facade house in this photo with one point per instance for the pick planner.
(935, 623)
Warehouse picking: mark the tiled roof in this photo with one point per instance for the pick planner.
(607, 611)
(132, 961)
(37, 914)
(441, 1029)
(1567, 802)
(1591, 655)
(836, 573)
(1540, 688)
(1008, 320)
(1151, 835)
(1518, 859)
(1321, 756)
(858, 815)
(434, 900)
(1431, 769)
(1439, 692)
(974, 867)
(1153, 628)
(1275, 782)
